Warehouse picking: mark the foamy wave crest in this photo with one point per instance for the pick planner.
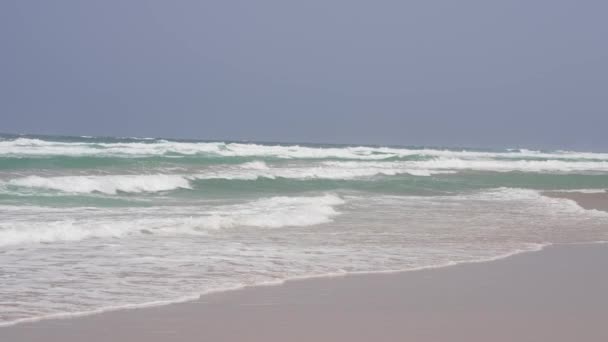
(105, 184)
(17, 233)
(33, 147)
(584, 191)
(39, 147)
(536, 199)
(357, 169)
(332, 170)
(315, 173)
(276, 212)
(512, 165)
(255, 165)
(448, 165)
(273, 212)
(323, 170)
(114, 184)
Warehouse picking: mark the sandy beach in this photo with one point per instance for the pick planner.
(558, 294)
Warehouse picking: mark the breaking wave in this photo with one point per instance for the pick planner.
(83, 223)
(38, 147)
(107, 184)
(329, 170)
(82, 213)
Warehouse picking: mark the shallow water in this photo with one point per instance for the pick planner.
(89, 224)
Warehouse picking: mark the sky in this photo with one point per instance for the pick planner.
(477, 73)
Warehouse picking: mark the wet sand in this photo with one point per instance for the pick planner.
(597, 201)
(558, 294)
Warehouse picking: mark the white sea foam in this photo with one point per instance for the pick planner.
(539, 201)
(113, 184)
(443, 165)
(83, 223)
(255, 165)
(335, 170)
(119, 254)
(528, 248)
(584, 191)
(109, 258)
(513, 165)
(107, 184)
(33, 147)
(315, 172)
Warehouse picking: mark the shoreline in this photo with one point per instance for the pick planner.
(538, 247)
(586, 200)
(91, 324)
(477, 289)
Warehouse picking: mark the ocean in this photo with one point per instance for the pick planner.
(91, 224)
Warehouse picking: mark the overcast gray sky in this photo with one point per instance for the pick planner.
(428, 72)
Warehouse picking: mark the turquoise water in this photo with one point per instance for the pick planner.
(218, 169)
(119, 222)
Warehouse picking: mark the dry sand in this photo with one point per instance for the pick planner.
(558, 294)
